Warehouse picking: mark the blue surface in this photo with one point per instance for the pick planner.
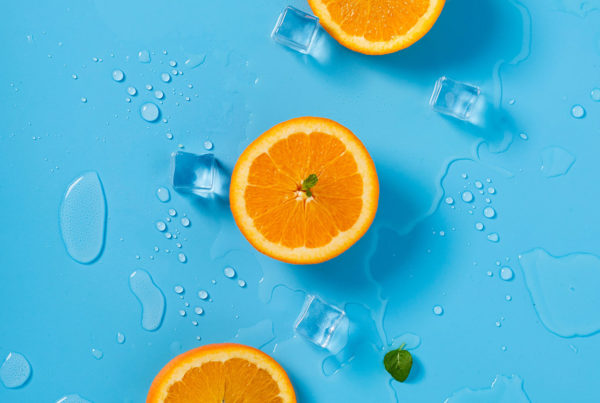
(534, 59)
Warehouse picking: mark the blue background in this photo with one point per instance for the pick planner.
(534, 59)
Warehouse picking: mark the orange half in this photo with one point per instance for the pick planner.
(218, 373)
(377, 27)
(289, 223)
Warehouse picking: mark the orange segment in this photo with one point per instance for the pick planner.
(219, 373)
(377, 27)
(284, 220)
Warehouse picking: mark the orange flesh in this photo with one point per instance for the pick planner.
(376, 20)
(282, 212)
(234, 380)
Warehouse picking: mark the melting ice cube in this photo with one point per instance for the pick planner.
(193, 173)
(296, 29)
(457, 99)
(318, 322)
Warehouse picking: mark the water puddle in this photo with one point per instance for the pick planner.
(258, 335)
(15, 371)
(74, 398)
(556, 161)
(564, 291)
(83, 218)
(150, 297)
(504, 389)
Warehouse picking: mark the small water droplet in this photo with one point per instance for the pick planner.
(161, 226)
(15, 370)
(172, 63)
(438, 310)
(467, 196)
(168, 235)
(165, 77)
(182, 258)
(508, 298)
(506, 273)
(208, 145)
(74, 76)
(198, 338)
(202, 294)
(178, 289)
(172, 212)
(498, 324)
(491, 190)
(478, 184)
(198, 310)
(229, 272)
(98, 354)
(118, 75)
(489, 212)
(195, 323)
(577, 111)
(131, 91)
(149, 87)
(185, 221)
(149, 112)
(120, 338)
(169, 136)
(524, 136)
(144, 56)
(595, 94)
(83, 99)
(158, 94)
(489, 273)
(511, 101)
(449, 200)
(493, 237)
(479, 226)
(182, 312)
(163, 194)
(242, 283)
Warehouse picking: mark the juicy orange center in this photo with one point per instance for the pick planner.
(376, 20)
(234, 380)
(282, 212)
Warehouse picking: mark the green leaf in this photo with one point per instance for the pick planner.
(398, 363)
(308, 183)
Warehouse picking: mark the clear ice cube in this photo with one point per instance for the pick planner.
(318, 322)
(296, 29)
(193, 173)
(455, 98)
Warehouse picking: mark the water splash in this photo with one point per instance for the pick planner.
(15, 371)
(150, 297)
(564, 291)
(556, 161)
(83, 218)
(504, 389)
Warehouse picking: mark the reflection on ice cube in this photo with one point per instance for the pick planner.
(197, 174)
(323, 324)
(460, 100)
(296, 29)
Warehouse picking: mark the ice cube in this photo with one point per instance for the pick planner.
(318, 322)
(296, 29)
(193, 173)
(457, 99)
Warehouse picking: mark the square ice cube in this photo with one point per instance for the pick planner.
(296, 29)
(318, 321)
(193, 173)
(454, 98)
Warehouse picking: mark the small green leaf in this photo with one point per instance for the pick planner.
(398, 363)
(308, 183)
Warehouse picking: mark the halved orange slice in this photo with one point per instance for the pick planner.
(377, 27)
(218, 373)
(304, 191)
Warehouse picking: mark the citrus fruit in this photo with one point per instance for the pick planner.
(218, 373)
(304, 191)
(377, 27)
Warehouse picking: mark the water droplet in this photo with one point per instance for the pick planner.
(144, 56)
(127, 99)
(169, 136)
(511, 101)
(479, 226)
(508, 298)
(172, 212)
(185, 221)
(118, 75)
(577, 111)
(198, 338)
(506, 273)
(442, 233)
(161, 226)
(168, 235)
(74, 76)
(120, 338)
(163, 194)
(178, 289)
(165, 77)
(491, 190)
(198, 310)
(83, 99)
(595, 94)
(98, 354)
(15, 370)
(172, 63)
(438, 310)
(82, 218)
(150, 297)
(493, 237)
(556, 161)
(182, 312)
(464, 175)
(478, 184)
(208, 145)
(149, 112)
(489, 273)
(242, 283)
(194, 61)
(523, 136)
(131, 91)
(149, 87)
(75, 398)
(229, 272)
(202, 294)
(498, 324)
(449, 200)
(467, 196)
(182, 258)
(489, 212)
(159, 94)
